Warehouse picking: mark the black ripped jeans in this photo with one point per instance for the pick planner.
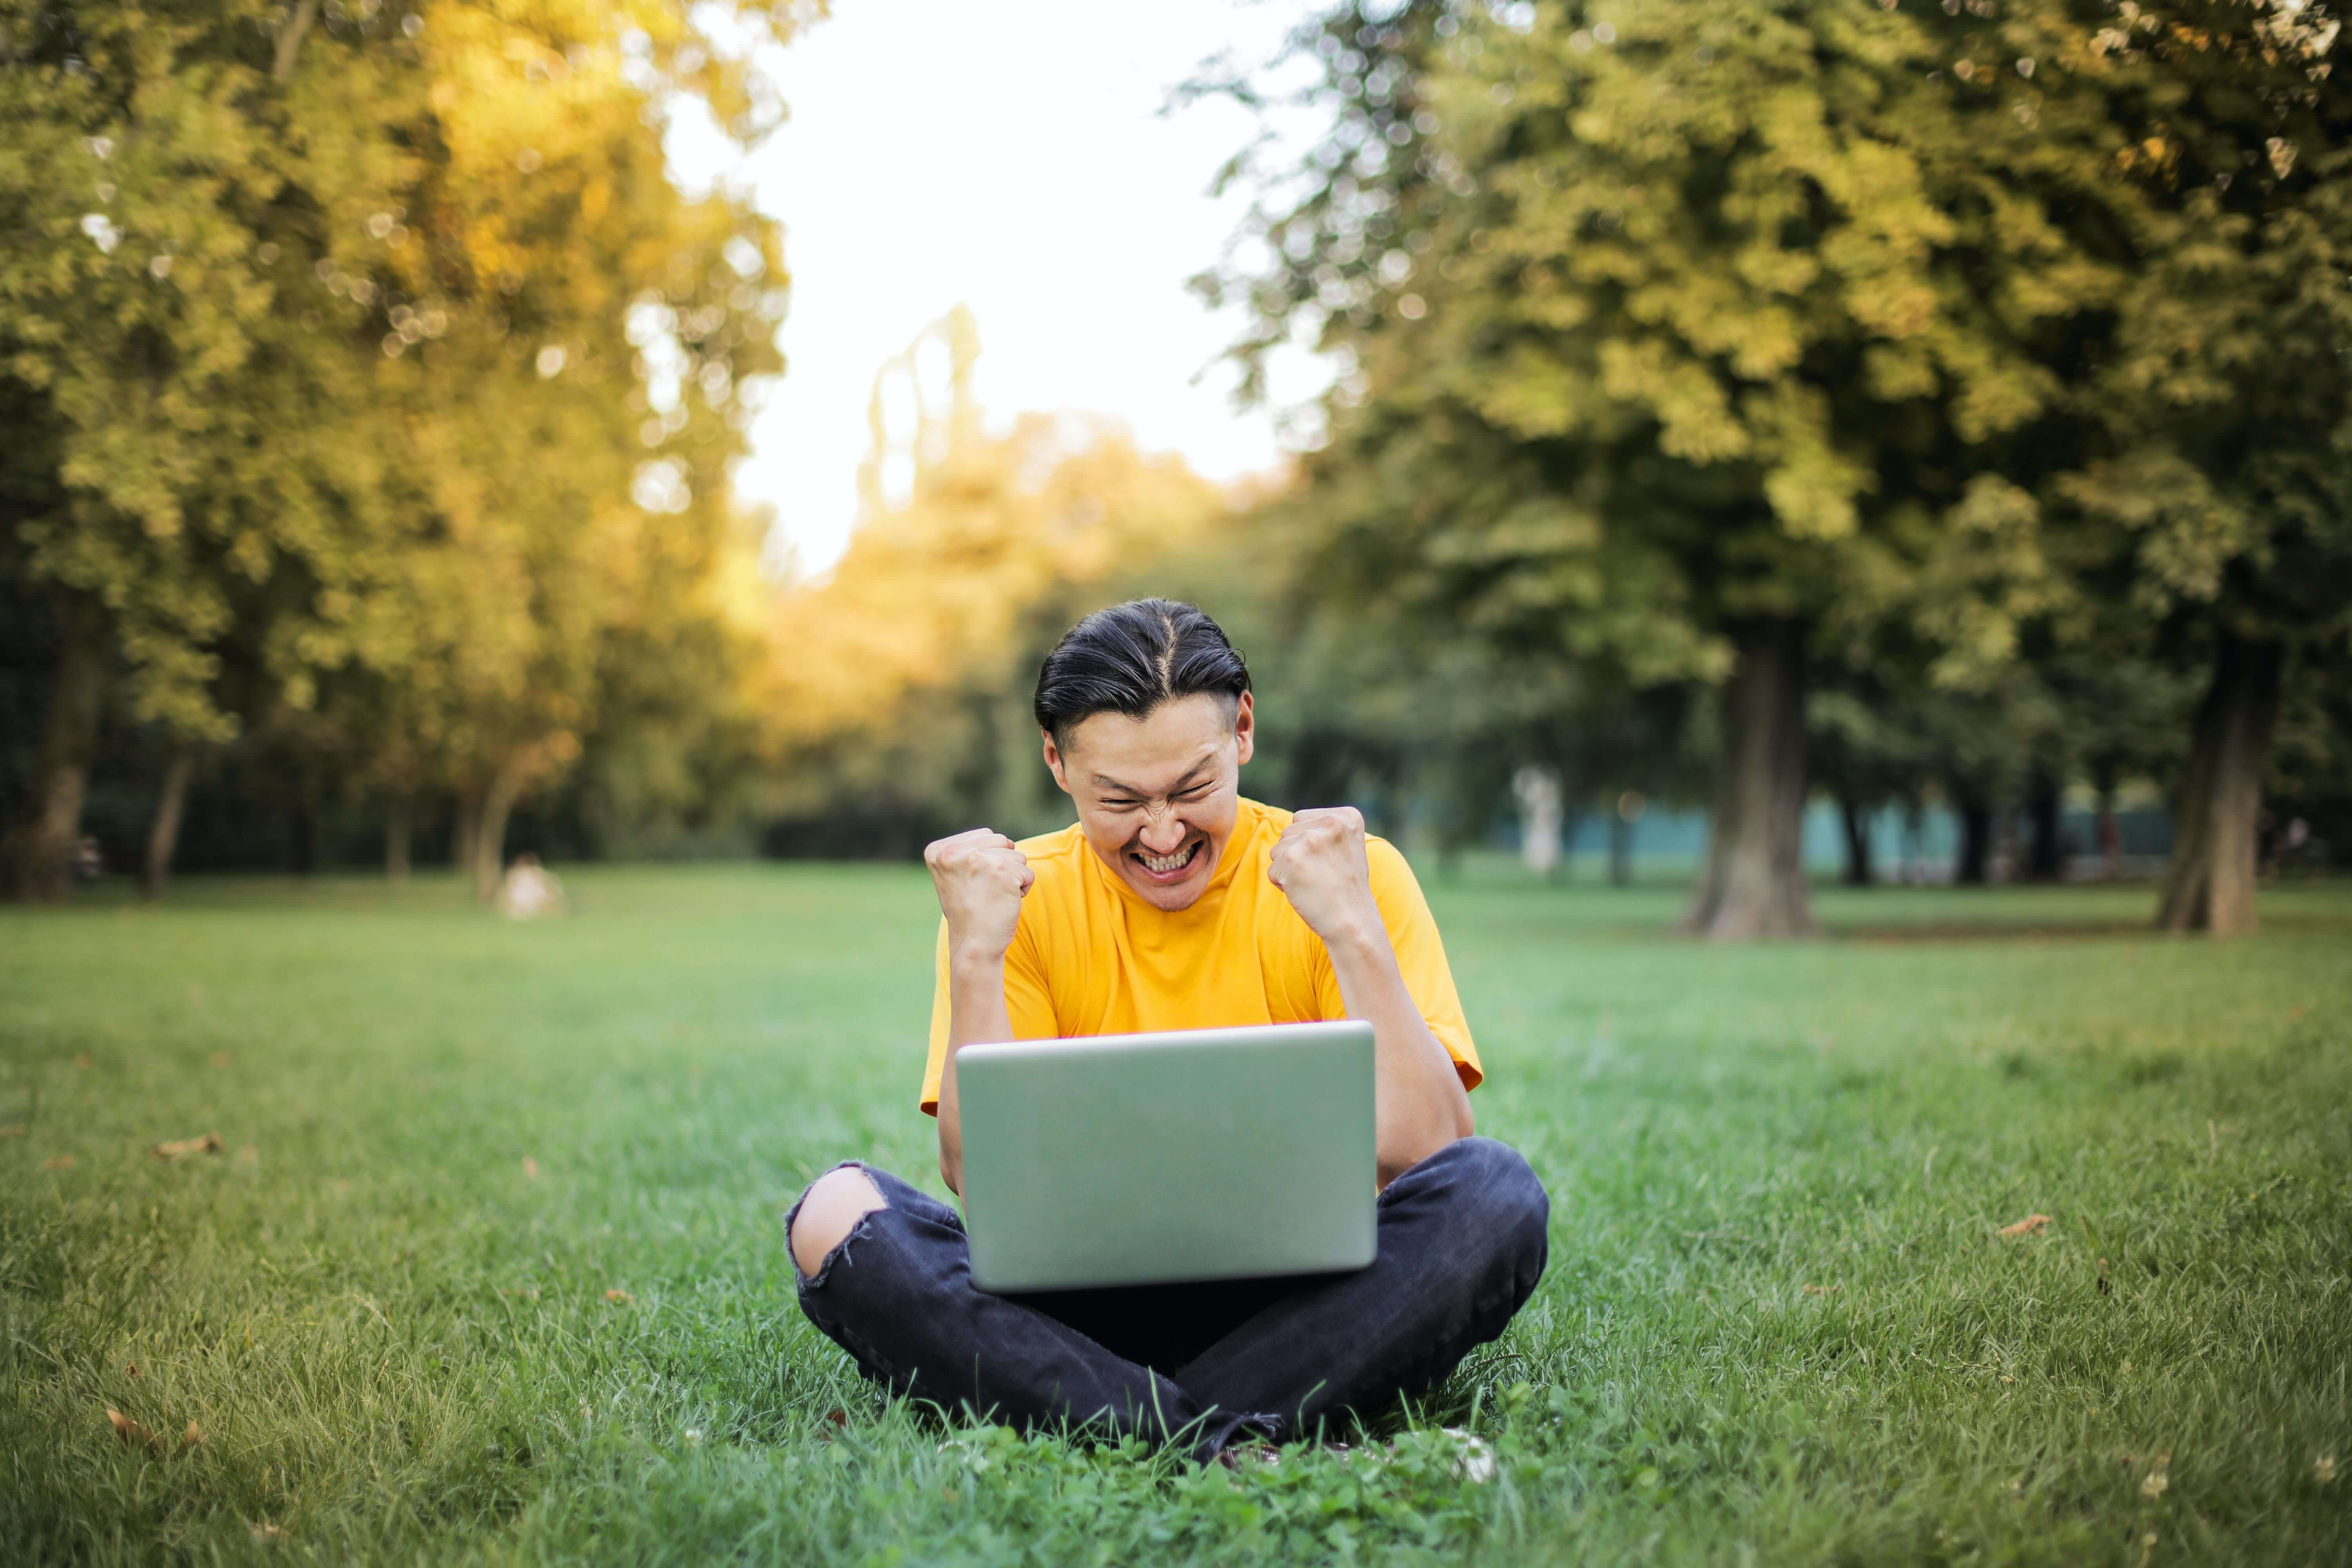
(1462, 1245)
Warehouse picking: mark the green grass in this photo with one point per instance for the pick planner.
(1779, 1326)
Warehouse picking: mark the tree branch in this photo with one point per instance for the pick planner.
(289, 40)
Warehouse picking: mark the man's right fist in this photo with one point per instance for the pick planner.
(981, 878)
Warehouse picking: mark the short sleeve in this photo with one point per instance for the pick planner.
(1025, 998)
(1421, 956)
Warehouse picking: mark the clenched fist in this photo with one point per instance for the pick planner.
(1319, 863)
(981, 878)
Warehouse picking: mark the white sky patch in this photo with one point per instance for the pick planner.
(1014, 159)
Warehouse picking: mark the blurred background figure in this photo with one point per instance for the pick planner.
(1537, 790)
(529, 890)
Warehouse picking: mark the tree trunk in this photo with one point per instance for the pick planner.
(1859, 872)
(465, 820)
(1755, 882)
(1621, 850)
(37, 855)
(398, 818)
(2209, 885)
(1975, 813)
(491, 828)
(2045, 854)
(163, 833)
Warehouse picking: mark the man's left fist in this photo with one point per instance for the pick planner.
(1319, 863)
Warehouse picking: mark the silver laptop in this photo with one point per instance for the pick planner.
(1149, 1159)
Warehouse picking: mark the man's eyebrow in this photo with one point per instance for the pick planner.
(1105, 782)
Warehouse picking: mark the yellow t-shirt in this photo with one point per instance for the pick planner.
(1090, 957)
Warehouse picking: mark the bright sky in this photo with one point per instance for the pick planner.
(1013, 158)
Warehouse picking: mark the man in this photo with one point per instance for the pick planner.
(1174, 903)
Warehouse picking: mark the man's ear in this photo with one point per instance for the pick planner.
(1245, 728)
(1054, 760)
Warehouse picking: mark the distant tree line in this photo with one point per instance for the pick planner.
(1740, 402)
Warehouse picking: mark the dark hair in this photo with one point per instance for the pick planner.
(1132, 658)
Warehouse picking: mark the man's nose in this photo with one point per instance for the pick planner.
(1162, 832)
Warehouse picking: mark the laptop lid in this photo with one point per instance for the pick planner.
(1150, 1159)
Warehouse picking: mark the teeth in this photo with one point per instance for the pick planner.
(1168, 862)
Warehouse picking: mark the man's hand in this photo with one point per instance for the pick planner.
(1319, 863)
(1418, 1103)
(981, 878)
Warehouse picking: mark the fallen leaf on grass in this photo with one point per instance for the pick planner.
(58, 1162)
(191, 1438)
(618, 1296)
(181, 1148)
(130, 1369)
(1824, 1290)
(530, 1168)
(2027, 1226)
(13, 1130)
(127, 1432)
(265, 1530)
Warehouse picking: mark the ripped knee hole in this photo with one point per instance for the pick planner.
(829, 1211)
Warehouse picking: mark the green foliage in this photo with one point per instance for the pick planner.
(384, 387)
(1667, 315)
(1777, 1315)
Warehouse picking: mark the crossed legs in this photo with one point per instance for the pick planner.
(884, 1270)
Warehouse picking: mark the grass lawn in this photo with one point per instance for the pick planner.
(490, 1263)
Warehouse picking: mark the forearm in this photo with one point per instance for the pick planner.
(977, 1015)
(1419, 1104)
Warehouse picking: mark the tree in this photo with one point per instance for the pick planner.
(902, 682)
(2219, 509)
(1713, 328)
(1701, 331)
(357, 358)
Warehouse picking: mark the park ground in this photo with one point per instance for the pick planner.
(488, 1265)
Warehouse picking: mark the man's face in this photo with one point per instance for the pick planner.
(1157, 797)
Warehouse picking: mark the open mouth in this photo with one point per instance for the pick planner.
(1170, 868)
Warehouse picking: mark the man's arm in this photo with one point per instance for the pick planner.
(1419, 1103)
(981, 878)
